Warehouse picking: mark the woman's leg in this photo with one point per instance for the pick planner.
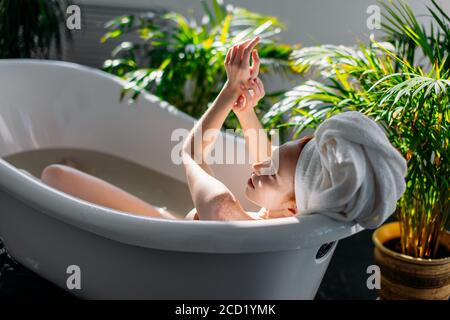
(95, 190)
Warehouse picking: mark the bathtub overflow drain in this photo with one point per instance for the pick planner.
(324, 249)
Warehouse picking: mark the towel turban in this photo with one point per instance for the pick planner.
(350, 171)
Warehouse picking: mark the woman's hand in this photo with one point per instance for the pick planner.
(252, 92)
(237, 64)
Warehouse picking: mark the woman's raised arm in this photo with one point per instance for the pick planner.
(259, 146)
(212, 199)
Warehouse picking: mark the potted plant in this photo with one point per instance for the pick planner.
(181, 60)
(403, 83)
(31, 28)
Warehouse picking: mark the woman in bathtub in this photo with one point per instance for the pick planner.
(349, 171)
(273, 192)
(212, 198)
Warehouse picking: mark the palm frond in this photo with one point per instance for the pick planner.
(403, 84)
(181, 61)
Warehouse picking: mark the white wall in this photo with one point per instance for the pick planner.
(308, 21)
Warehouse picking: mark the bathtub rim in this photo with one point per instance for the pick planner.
(278, 234)
(190, 236)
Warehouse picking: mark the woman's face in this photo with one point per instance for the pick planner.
(271, 188)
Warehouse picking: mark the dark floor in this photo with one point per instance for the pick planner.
(345, 279)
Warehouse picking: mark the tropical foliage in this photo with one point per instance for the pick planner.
(181, 60)
(404, 84)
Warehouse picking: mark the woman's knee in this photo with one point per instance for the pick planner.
(53, 174)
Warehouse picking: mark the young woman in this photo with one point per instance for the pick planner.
(212, 199)
(273, 192)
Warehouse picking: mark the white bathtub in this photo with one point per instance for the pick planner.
(53, 105)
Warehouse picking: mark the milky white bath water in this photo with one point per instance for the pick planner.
(149, 185)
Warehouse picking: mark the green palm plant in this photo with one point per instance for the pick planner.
(29, 28)
(403, 84)
(181, 60)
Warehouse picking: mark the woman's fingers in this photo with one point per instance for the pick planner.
(239, 102)
(245, 98)
(234, 54)
(239, 48)
(248, 98)
(260, 86)
(251, 87)
(228, 56)
(239, 70)
(256, 88)
(252, 92)
(240, 53)
(245, 59)
(254, 70)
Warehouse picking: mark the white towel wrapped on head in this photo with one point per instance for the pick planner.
(350, 171)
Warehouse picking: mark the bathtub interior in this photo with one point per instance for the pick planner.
(50, 105)
(149, 185)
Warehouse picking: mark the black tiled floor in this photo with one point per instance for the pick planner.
(345, 278)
